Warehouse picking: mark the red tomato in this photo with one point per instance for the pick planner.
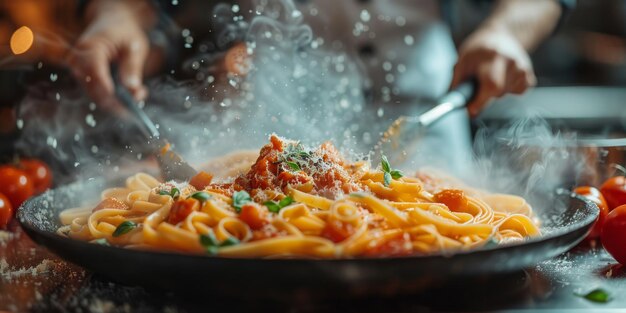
(181, 209)
(254, 215)
(337, 231)
(6, 211)
(38, 172)
(614, 234)
(594, 195)
(614, 191)
(16, 185)
(201, 180)
(398, 246)
(454, 199)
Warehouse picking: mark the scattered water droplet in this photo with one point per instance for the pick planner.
(58, 96)
(235, 8)
(400, 21)
(365, 16)
(409, 40)
(380, 112)
(20, 123)
(185, 32)
(53, 77)
(94, 149)
(90, 120)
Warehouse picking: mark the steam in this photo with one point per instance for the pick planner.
(296, 88)
(526, 157)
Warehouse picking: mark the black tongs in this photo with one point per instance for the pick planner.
(172, 165)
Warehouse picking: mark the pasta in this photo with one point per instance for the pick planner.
(297, 202)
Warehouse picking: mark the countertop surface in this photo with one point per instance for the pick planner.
(33, 279)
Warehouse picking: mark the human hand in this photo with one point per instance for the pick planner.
(114, 35)
(498, 61)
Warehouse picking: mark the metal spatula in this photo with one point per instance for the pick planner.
(172, 165)
(402, 137)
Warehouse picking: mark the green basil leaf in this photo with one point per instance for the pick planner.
(124, 228)
(385, 164)
(201, 196)
(212, 250)
(597, 295)
(293, 165)
(164, 193)
(239, 199)
(285, 202)
(396, 174)
(387, 179)
(208, 240)
(272, 206)
(174, 193)
(230, 241)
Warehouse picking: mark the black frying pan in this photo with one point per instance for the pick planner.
(565, 222)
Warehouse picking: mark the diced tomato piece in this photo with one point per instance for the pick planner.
(337, 231)
(397, 246)
(454, 199)
(277, 144)
(110, 203)
(201, 180)
(254, 215)
(181, 209)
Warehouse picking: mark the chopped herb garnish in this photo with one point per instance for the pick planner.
(239, 199)
(396, 174)
(274, 207)
(285, 201)
(210, 243)
(230, 241)
(201, 196)
(293, 165)
(357, 195)
(101, 241)
(386, 179)
(491, 242)
(208, 240)
(174, 192)
(388, 172)
(124, 228)
(294, 153)
(597, 295)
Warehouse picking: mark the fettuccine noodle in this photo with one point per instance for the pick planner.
(294, 202)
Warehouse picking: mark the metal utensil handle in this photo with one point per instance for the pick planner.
(454, 99)
(148, 128)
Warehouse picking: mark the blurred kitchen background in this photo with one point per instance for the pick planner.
(589, 49)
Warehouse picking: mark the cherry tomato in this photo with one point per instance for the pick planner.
(254, 215)
(181, 209)
(6, 211)
(614, 234)
(201, 180)
(38, 172)
(614, 191)
(594, 195)
(16, 185)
